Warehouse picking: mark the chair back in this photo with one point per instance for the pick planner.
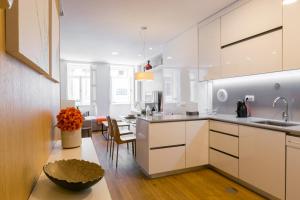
(110, 126)
(117, 136)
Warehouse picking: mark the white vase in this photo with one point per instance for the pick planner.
(71, 139)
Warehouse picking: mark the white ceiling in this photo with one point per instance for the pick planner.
(92, 29)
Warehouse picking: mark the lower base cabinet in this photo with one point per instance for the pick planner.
(224, 162)
(196, 136)
(262, 159)
(166, 159)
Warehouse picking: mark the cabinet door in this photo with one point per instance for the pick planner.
(262, 159)
(224, 162)
(196, 143)
(292, 173)
(255, 56)
(225, 143)
(182, 51)
(254, 17)
(166, 159)
(209, 51)
(166, 134)
(291, 39)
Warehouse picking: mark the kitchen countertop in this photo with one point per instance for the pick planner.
(292, 130)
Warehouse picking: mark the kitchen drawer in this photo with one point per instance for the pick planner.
(166, 134)
(229, 128)
(224, 162)
(225, 143)
(166, 159)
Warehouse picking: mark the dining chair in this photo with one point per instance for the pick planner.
(110, 131)
(122, 139)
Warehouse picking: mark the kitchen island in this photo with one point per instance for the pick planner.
(171, 144)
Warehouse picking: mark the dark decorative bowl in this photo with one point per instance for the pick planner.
(74, 174)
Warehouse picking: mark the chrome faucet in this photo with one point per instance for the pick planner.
(285, 114)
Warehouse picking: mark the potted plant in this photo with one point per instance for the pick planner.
(70, 122)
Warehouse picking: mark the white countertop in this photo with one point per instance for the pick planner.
(47, 190)
(293, 130)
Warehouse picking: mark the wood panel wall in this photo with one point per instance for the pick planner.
(28, 105)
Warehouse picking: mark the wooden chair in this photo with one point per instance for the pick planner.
(110, 134)
(122, 139)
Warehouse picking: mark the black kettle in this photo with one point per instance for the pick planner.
(241, 109)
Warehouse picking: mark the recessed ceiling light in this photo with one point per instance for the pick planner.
(139, 55)
(169, 57)
(150, 48)
(288, 2)
(114, 53)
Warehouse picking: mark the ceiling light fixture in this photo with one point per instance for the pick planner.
(288, 2)
(150, 48)
(144, 75)
(114, 53)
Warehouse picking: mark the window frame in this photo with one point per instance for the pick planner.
(80, 77)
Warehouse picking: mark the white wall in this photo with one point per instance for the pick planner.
(102, 88)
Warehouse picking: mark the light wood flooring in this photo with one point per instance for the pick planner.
(127, 182)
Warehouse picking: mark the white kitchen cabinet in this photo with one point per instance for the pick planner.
(225, 143)
(224, 127)
(166, 159)
(252, 18)
(291, 39)
(255, 56)
(166, 134)
(292, 167)
(209, 50)
(262, 159)
(224, 162)
(182, 51)
(196, 143)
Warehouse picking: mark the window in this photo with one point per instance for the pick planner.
(79, 83)
(121, 84)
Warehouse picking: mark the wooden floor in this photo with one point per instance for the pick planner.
(127, 182)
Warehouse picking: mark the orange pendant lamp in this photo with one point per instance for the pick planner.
(145, 75)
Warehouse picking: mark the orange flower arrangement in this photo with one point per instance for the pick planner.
(69, 119)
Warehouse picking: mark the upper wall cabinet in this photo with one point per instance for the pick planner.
(252, 18)
(291, 39)
(54, 40)
(27, 33)
(209, 51)
(183, 50)
(255, 56)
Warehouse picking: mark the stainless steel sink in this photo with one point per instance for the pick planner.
(276, 123)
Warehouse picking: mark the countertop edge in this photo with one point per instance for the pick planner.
(294, 131)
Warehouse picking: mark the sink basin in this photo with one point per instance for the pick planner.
(276, 123)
